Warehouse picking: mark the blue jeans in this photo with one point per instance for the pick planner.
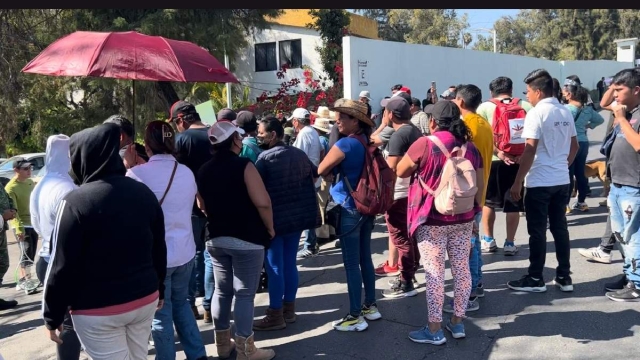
(176, 310)
(311, 239)
(577, 169)
(475, 259)
(209, 282)
(356, 255)
(624, 205)
(196, 282)
(282, 271)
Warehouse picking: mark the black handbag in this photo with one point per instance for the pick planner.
(333, 213)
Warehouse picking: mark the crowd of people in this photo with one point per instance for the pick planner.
(132, 234)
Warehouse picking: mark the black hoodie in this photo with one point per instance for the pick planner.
(108, 243)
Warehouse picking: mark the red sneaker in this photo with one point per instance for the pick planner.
(385, 270)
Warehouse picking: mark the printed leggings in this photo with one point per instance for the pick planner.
(433, 241)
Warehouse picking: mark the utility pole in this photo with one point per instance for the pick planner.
(493, 33)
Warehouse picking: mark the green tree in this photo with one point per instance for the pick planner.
(33, 106)
(439, 27)
(386, 30)
(332, 24)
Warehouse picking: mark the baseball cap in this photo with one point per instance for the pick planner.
(181, 108)
(222, 130)
(401, 94)
(448, 94)
(300, 113)
(226, 114)
(445, 110)
(246, 120)
(428, 109)
(21, 163)
(405, 89)
(365, 94)
(399, 107)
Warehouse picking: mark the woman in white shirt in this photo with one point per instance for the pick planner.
(175, 187)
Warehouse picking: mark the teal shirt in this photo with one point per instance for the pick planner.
(248, 151)
(587, 119)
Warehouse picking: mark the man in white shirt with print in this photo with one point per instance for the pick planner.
(307, 140)
(550, 148)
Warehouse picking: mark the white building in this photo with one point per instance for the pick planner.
(288, 41)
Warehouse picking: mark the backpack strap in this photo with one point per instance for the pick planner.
(440, 145)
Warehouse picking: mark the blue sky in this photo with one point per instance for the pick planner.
(485, 18)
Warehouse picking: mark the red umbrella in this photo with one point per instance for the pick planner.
(128, 55)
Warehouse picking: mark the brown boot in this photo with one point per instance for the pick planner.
(289, 312)
(224, 343)
(196, 314)
(207, 317)
(248, 351)
(273, 320)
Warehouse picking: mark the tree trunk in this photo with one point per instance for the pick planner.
(168, 93)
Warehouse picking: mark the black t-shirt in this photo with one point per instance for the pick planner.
(193, 149)
(402, 139)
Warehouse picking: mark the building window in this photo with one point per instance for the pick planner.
(266, 57)
(291, 53)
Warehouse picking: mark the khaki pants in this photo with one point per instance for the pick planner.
(325, 231)
(122, 336)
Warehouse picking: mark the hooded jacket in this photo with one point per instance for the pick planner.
(108, 243)
(55, 184)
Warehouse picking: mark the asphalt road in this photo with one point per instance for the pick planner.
(509, 325)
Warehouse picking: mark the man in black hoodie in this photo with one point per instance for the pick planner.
(109, 256)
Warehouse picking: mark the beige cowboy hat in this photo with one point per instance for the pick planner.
(356, 109)
(323, 124)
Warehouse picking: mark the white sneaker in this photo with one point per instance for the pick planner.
(489, 246)
(596, 254)
(510, 249)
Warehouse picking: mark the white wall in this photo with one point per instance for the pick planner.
(245, 63)
(626, 50)
(591, 71)
(389, 63)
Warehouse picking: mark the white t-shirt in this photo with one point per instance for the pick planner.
(552, 124)
(308, 141)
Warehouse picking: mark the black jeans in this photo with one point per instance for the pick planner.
(70, 347)
(542, 203)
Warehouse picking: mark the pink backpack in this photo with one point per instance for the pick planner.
(457, 189)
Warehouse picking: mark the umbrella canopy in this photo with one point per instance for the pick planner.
(128, 55)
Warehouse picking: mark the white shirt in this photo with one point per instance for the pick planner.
(552, 124)
(308, 141)
(177, 205)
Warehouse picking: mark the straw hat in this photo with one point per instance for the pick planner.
(323, 112)
(356, 109)
(333, 115)
(323, 124)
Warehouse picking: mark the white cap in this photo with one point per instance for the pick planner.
(300, 113)
(365, 94)
(222, 130)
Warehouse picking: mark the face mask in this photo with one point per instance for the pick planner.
(263, 143)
